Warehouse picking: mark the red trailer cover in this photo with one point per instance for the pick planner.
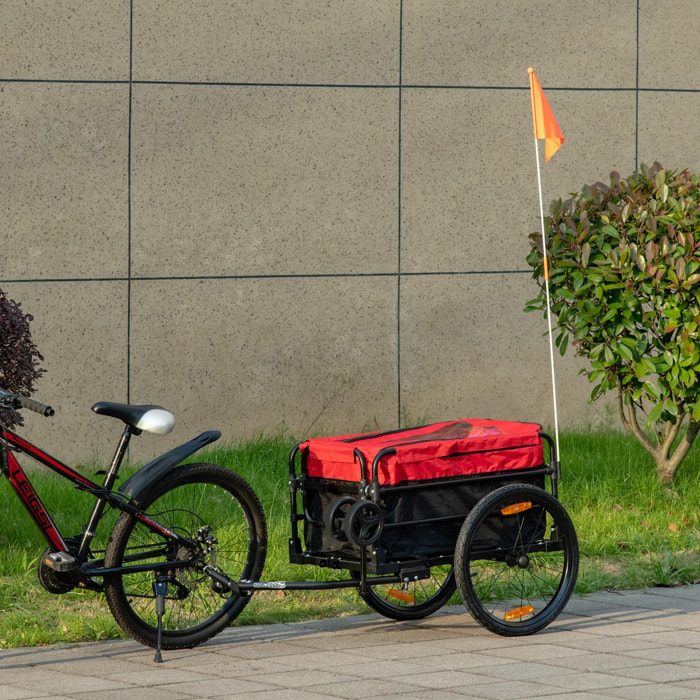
(454, 448)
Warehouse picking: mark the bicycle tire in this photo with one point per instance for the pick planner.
(516, 560)
(412, 600)
(195, 498)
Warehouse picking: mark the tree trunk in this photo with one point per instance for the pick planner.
(666, 463)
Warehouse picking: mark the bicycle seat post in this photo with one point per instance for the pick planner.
(115, 464)
(110, 478)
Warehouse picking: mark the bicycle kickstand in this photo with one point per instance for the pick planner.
(161, 590)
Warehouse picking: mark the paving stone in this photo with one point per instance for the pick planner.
(649, 647)
(660, 673)
(653, 691)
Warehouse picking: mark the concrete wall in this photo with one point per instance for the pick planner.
(311, 214)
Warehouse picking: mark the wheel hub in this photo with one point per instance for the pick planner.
(523, 561)
(520, 560)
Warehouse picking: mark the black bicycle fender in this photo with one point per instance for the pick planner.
(156, 468)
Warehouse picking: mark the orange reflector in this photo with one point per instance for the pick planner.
(516, 508)
(402, 595)
(517, 613)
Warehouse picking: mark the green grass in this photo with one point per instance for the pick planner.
(633, 532)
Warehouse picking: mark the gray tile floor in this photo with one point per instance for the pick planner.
(632, 644)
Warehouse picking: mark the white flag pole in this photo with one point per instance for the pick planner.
(549, 310)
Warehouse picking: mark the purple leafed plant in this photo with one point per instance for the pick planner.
(19, 357)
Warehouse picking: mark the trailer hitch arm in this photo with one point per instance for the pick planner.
(223, 580)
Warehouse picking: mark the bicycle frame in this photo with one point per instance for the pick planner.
(25, 491)
(21, 484)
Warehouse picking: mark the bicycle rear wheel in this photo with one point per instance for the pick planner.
(215, 509)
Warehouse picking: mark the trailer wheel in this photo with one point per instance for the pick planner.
(516, 560)
(412, 600)
(363, 523)
(335, 515)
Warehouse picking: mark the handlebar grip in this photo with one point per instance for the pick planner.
(40, 408)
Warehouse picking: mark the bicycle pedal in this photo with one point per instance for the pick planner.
(61, 561)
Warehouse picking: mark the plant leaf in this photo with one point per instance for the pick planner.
(654, 415)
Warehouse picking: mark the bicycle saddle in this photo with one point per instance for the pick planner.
(152, 419)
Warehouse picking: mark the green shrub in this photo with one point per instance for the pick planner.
(625, 293)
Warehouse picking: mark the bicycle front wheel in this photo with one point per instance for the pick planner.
(220, 515)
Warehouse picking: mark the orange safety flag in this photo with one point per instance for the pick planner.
(546, 126)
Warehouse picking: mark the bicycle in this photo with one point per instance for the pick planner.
(180, 527)
(411, 515)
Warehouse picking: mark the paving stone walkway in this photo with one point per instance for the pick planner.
(632, 644)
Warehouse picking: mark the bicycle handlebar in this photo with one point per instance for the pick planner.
(16, 401)
(41, 408)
